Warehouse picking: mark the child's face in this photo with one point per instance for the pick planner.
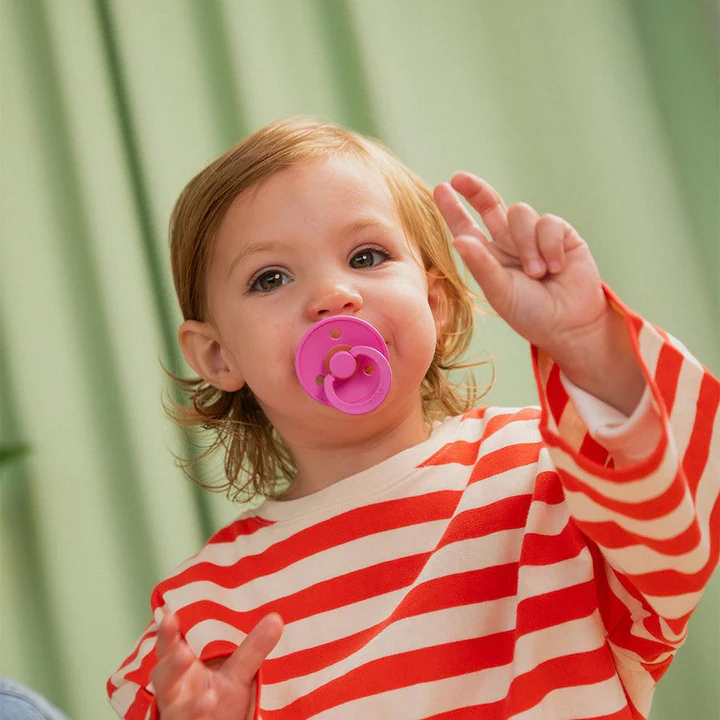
(319, 239)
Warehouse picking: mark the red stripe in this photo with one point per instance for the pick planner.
(550, 549)
(648, 509)
(464, 452)
(667, 583)
(145, 636)
(506, 514)
(671, 582)
(497, 423)
(217, 649)
(378, 579)
(556, 607)
(505, 459)
(698, 449)
(331, 594)
(667, 373)
(476, 413)
(141, 674)
(468, 588)
(616, 616)
(244, 526)
(140, 706)
(402, 670)
(487, 711)
(340, 529)
(593, 450)
(557, 397)
(611, 536)
(548, 488)
(529, 689)
(460, 452)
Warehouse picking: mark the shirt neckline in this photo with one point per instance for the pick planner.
(359, 488)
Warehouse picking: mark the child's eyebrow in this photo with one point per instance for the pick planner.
(356, 226)
(255, 248)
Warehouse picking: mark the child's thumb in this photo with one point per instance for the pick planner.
(244, 663)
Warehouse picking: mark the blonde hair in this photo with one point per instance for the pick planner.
(257, 461)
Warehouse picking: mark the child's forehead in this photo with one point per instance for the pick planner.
(336, 190)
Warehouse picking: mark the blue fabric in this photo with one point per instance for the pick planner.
(19, 703)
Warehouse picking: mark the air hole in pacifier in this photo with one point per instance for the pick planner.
(320, 381)
(335, 333)
(369, 369)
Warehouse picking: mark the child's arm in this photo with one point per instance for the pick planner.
(642, 488)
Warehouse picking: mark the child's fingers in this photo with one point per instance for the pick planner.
(523, 220)
(175, 658)
(244, 663)
(488, 202)
(168, 636)
(550, 235)
(491, 276)
(458, 219)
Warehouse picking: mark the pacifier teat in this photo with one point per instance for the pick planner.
(342, 362)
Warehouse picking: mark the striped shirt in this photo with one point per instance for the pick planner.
(520, 563)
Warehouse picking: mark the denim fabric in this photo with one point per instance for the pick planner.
(19, 703)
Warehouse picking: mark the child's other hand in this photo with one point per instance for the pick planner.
(537, 272)
(187, 689)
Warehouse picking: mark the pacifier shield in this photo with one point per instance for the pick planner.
(342, 362)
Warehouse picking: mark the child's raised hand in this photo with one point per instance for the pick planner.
(188, 689)
(537, 272)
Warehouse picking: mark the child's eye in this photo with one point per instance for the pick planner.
(365, 257)
(268, 281)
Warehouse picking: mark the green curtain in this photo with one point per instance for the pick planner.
(603, 111)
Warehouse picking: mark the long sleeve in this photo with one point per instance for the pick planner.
(653, 519)
(126, 689)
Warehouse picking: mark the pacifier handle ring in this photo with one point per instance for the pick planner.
(385, 380)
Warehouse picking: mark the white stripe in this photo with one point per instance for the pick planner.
(356, 554)
(346, 620)
(207, 631)
(464, 556)
(683, 416)
(145, 649)
(629, 491)
(423, 481)
(424, 699)
(546, 519)
(583, 508)
(674, 607)
(123, 698)
(638, 614)
(406, 635)
(485, 686)
(328, 564)
(574, 636)
(639, 685)
(578, 702)
(638, 559)
(535, 580)
(650, 343)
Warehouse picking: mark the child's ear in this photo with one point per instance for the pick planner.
(438, 300)
(202, 350)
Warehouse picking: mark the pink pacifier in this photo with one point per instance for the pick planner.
(342, 362)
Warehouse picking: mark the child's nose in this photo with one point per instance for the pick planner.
(334, 300)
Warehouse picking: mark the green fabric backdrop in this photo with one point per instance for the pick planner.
(602, 111)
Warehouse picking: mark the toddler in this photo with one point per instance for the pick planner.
(431, 558)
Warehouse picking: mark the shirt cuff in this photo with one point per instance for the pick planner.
(628, 439)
